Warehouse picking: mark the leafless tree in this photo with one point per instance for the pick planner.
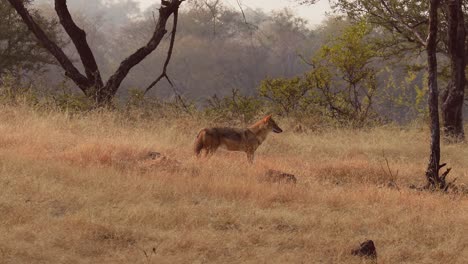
(213, 6)
(91, 83)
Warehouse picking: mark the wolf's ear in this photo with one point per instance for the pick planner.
(267, 118)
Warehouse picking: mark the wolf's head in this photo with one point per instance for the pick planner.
(271, 124)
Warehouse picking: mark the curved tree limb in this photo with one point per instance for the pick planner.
(398, 19)
(167, 8)
(92, 84)
(169, 55)
(70, 70)
(78, 36)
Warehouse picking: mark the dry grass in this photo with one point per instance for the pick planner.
(80, 190)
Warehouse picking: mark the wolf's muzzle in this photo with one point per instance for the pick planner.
(277, 130)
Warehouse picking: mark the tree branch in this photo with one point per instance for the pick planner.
(167, 8)
(397, 18)
(70, 70)
(92, 84)
(169, 54)
(78, 36)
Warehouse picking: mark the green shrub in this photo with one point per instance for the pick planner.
(236, 107)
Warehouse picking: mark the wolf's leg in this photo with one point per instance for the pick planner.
(200, 143)
(200, 153)
(204, 153)
(250, 157)
(210, 152)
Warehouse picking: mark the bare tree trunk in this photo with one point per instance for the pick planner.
(213, 7)
(432, 173)
(453, 96)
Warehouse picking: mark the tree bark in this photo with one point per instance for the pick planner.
(432, 172)
(78, 37)
(453, 96)
(434, 181)
(168, 56)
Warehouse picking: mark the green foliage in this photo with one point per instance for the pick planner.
(12, 93)
(287, 96)
(179, 106)
(406, 97)
(344, 75)
(341, 84)
(351, 52)
(234, 107)
(138, 100)
(72, 102)
(19, 51)
(145, 106)
(60, 97)
(404, 22)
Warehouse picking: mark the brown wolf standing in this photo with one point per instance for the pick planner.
(235, 139)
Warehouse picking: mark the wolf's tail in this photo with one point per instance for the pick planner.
(199, 142)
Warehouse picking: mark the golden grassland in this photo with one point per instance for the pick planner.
(80, 189)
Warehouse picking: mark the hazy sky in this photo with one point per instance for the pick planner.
(314, 13)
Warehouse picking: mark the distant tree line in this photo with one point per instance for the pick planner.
(352, 69)
(218, 49)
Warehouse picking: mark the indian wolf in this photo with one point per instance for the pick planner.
(236, 139)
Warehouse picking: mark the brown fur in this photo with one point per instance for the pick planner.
(235, 139)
